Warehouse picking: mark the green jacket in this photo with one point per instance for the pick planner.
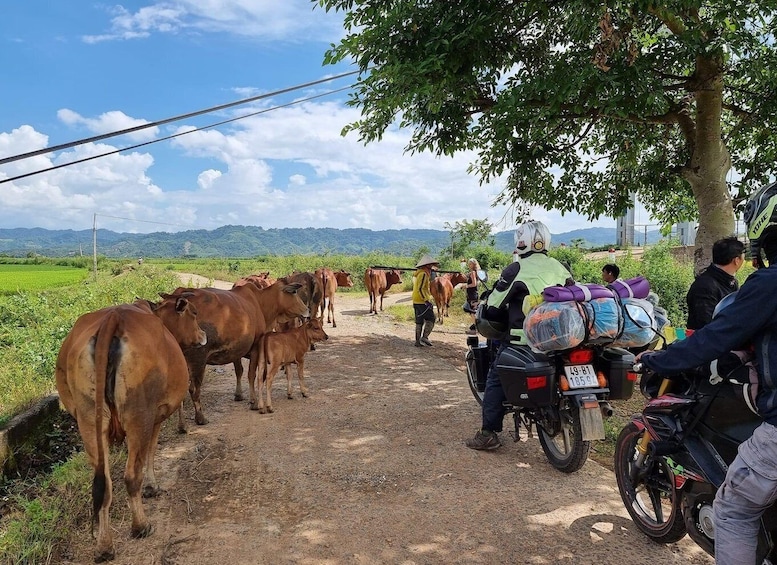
(529, 275)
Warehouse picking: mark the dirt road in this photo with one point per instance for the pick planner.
(372, 469)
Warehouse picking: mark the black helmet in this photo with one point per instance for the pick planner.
(725, 301)
(761, 216)
(490, 329)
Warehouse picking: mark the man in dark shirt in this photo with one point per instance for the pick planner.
(715, 282)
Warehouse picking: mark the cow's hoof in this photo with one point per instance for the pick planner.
(238, 397)
(103, 556)
(270, 410)
(200, 420)
(305, 394)
(182, 430)
(142, 532)
(253, 406)
(334, 325)
(151, 491)
(291, 396)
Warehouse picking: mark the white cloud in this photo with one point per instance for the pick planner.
(109, 122)
(285, 168)
(266, 20)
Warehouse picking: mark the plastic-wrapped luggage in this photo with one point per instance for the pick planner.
(626, 322)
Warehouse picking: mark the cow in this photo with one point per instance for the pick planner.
(377, 282)
(281, 349)
(442, 291)
(330, 280)
(311, 291)
(235, 321)
(121, 372)
(261, 280)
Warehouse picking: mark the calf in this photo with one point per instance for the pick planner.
(284, 348)
(120, 372)
(442, 291)
(330, 280)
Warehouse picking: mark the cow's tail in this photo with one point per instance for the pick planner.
(102, 347)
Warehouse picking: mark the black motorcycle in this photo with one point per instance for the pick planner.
(671, 459)
(564, 395)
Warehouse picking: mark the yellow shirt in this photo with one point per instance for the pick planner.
(421, 290)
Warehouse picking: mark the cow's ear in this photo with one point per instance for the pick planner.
(292, 288)
(181, 304)
(165, 296)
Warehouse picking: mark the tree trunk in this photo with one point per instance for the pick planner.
(709, 163)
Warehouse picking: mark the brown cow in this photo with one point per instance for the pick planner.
(442, 291)
(377, 282)
(311, 291)
(121, 372)
(281, 349)
(235, 321)
(261, 280)
(330, 280)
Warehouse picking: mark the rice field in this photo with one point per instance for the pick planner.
(15, 278)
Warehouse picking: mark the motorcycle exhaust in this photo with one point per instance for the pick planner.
(607, 410)
(661, 448)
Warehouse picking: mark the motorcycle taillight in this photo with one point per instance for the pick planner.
(581, 356)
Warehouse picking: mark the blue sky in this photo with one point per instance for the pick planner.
(79, 69)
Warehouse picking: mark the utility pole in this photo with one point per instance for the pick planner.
(94, 245)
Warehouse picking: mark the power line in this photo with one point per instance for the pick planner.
(136, 146)
(68, 145)
(136, 220)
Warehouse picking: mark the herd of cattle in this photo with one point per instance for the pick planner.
(123, 370)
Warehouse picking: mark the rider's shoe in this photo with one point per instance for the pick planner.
(484, 440)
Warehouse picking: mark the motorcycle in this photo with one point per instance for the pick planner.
(673, 456)
(564, 395)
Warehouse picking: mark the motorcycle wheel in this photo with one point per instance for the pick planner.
(653, 502)
(565, 449)
(472, 377)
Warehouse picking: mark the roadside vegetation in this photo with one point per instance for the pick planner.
(38, 513)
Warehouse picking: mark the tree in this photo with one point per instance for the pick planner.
(580, 104)
(467, 233)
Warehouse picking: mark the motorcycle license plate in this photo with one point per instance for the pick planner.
(581, 376)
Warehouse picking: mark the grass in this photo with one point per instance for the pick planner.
(18, 278)
(47, 512)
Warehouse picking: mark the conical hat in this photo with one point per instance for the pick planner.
(426, 260)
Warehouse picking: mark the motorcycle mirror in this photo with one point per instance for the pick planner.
(482, 275)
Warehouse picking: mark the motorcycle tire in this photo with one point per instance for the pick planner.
(565, 449)
(653, 503)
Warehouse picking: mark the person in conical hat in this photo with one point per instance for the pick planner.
(426, 260)
(422, 300)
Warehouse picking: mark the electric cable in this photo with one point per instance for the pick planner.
(130, 147)
(68, 145)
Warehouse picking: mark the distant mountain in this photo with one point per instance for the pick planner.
(252, 241)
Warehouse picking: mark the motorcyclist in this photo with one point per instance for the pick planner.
(531, 271)
(750, 486)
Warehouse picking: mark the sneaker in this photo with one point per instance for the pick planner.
(471, 332)
(472, 327)
(425, 341)
(484, 440)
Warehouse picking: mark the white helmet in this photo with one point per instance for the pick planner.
(532, 236)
